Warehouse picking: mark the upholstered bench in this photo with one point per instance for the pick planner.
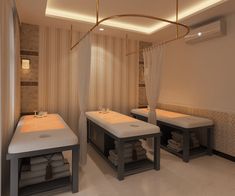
(183, 123)
(105, 128)
(40, 136)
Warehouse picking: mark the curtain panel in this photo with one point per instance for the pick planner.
(81, 57)
(113, 75)
(153, 59)
(58, 77)
(113, 80)
(9, 83)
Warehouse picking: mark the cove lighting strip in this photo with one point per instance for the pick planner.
(202, 6)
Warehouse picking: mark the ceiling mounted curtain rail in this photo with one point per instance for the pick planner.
(98, 22)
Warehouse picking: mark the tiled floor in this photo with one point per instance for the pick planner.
(205, 176)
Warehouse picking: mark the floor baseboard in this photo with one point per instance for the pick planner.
(224, 155)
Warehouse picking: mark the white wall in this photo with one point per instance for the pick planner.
(201, 75)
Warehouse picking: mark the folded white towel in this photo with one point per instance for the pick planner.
(42, 159)
(127, 160)
(139, 152)
(171, 141)
(129, 150)
(114, 161)
(131, 144)
(175, 148)
(42, 166)
(33, 174)
(40, 179)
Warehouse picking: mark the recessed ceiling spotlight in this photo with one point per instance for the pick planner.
(101, 29)
(199, 34)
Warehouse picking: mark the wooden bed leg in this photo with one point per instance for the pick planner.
(14, 177)
(157, 141)
(120, 167)
(75, 169)
(186, 146)
(209, 141)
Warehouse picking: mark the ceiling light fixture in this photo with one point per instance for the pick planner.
(101, 29)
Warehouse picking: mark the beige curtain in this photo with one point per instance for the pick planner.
(9, 82)
(81, 57)
(17, 65)
(153, 59)
(57, 78)
(114, 76)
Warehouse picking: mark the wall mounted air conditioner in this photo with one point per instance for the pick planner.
(205, 32)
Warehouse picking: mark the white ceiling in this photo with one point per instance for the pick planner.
(81, 13)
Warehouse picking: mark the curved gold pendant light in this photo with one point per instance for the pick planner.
(98, 22)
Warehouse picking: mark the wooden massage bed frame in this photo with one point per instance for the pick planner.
(40, 136)
(113, 126)
(184, 124)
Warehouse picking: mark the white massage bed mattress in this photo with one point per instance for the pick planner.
(120, 125)
(177, 119)
(34, 134)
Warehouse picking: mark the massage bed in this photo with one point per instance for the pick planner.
(183, 123)
(107, 128)
(36, 136)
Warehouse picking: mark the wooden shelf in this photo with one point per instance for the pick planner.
(130, 168)
(138, 166)
(45, 186)
(195, 152)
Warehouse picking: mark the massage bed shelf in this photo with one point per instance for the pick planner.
(130, 168)
(37, 137)
(102, 139)
(184, 124)
(15, 160)
(45, 186)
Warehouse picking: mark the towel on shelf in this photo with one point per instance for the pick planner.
(177, 136)
(131, 144)
(114, 160)
(173, 142)
(42, 166)
(41, 179)
(128, 155)
(133, 151)
(129, 151)
(174, 148)
(26, 166)
(32, 174)
(42, 159)
(176, 143)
